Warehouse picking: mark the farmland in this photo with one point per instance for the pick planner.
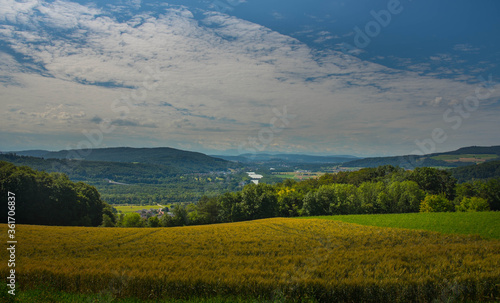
(270, 259)
(473, 158)
(485, 224)
(133, 208)
(298, 175)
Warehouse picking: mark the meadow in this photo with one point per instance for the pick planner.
(276, 260)
(297, 175)
(485, 224)
(125, 209)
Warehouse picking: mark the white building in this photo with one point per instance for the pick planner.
(255, 177)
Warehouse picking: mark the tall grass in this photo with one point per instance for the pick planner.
(279, 260)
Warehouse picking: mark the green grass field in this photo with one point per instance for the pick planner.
(298, 175)
(485, 224)
(132, 208)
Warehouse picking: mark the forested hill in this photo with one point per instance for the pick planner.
(288, 158)
(177, 161)
(473, 150)
(458, 158)
(81, 170)
(483, 171)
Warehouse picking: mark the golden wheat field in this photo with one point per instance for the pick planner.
(296, 259)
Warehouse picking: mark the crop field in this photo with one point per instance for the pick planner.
(485, 224)
(298, 175)
(281, 260)
(474, 158)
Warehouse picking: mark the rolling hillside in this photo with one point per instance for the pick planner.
(137, 176)
(460, 157)
(288, 158)
(271, 260)
(169, 159)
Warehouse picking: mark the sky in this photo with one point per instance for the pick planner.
(358, 77)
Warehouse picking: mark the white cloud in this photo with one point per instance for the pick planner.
(467, 48)
(225, 78)
(278, 16)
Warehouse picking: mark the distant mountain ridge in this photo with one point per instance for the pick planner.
(180, 160)
(457, 158)
(39, 153)
(174, 159)
(291, 158)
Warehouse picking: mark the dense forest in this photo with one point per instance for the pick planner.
(51, 199)
(164, 175)
(483, 171)
(385, 189)
(141, 183)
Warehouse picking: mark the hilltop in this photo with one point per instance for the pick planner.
(174, 160)
(457, 158)
(289, 158)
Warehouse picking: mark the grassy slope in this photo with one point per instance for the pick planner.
(319, 258)
(485, 224)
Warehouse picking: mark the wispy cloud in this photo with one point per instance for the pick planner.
(467, 48)
(218, 73)
(132, 123)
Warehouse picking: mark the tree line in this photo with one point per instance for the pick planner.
(51, 198)
(385, 189)
(146, 183)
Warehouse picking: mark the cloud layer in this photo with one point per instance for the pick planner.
(212, 82)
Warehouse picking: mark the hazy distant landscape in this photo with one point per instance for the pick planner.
(149, 187)
(210, 151)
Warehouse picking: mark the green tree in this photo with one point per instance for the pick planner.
(107, 221)
(180, 216)
(132, 220)
(489, 190)
(167, 220)
(344, 199)
(208, 210)
(51, 199)
(473, 204)
(435, 181)
(325, 199)
(258, 201)
(436, 203)
(405, 196)
(154, 222)
(289, 201)
(310, 207)
(372, 201)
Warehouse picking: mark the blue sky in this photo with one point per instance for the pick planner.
(325, 77)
